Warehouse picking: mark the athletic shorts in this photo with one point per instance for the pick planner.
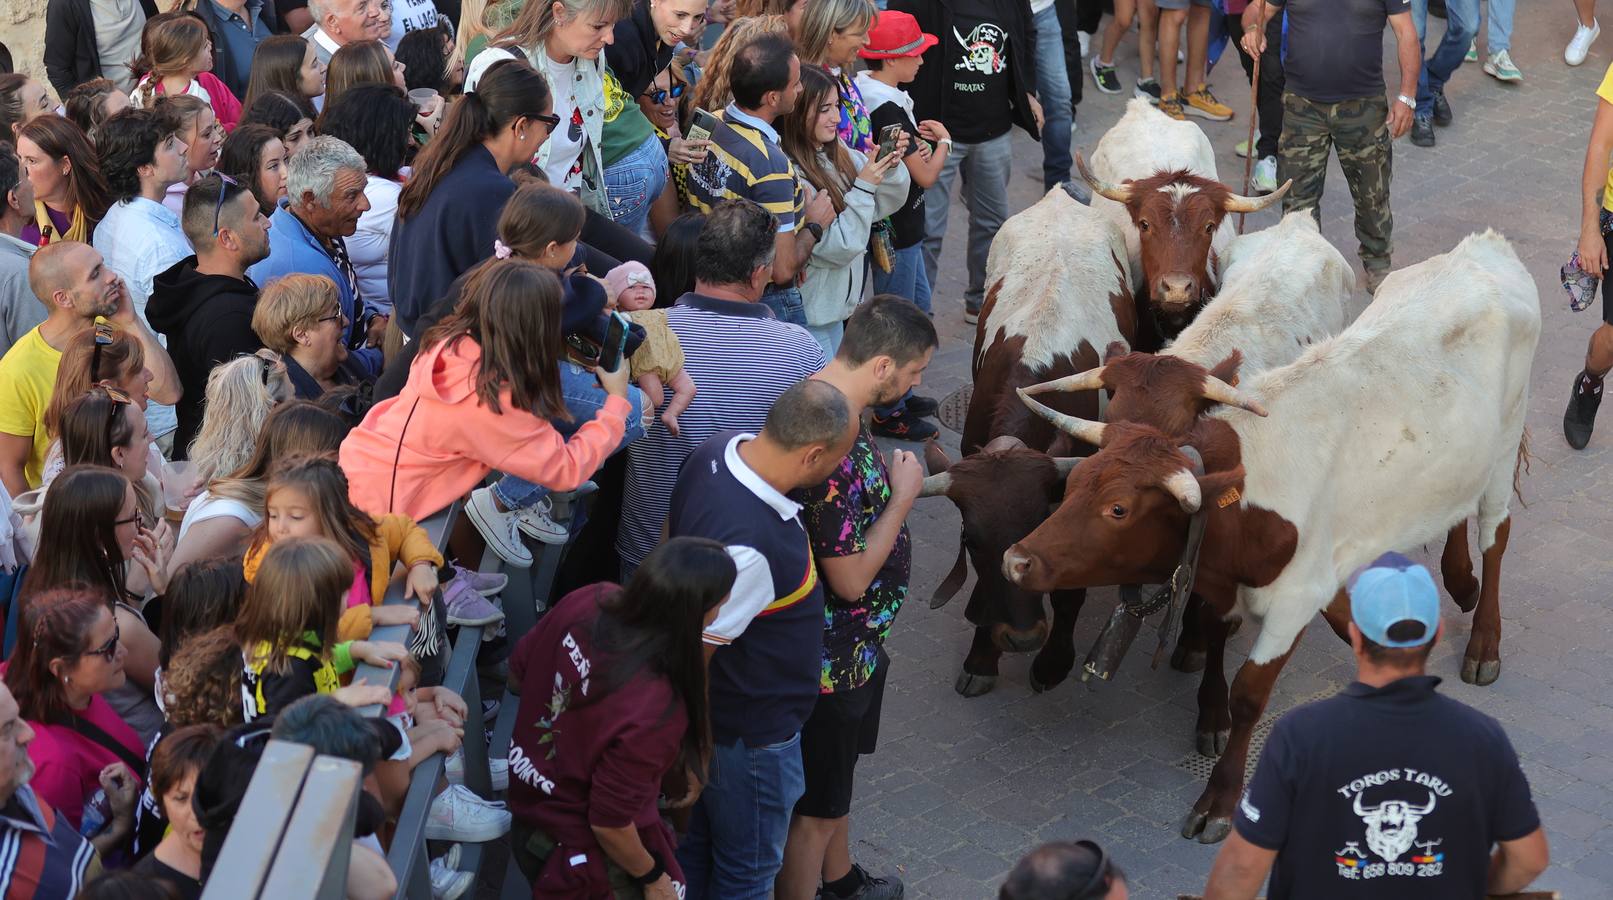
(843, 726)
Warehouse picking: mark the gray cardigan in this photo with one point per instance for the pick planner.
(833, 286)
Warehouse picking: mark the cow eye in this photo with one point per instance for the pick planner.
(1209, 228)
(1142, 224)
(1117, 511)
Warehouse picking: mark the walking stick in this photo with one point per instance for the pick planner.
(1249, 145)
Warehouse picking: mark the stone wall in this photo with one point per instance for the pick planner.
(22, 29)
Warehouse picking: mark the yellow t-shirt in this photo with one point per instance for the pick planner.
(1605, 91)
(27, 376)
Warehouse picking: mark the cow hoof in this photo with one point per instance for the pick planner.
(1481, 672)
(1215, 830)
(1185, 660)
(1468, 600)
(1040, 687)
(971, 685)
(1212, 743)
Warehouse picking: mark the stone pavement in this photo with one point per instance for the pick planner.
(961, 788)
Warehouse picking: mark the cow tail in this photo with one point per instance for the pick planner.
(1523, 466)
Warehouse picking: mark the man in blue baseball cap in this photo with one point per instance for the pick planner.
(1387, 790)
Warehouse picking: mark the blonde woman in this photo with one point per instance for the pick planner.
(829, 35)
(240, 395)
(712, 93)
(301, 318)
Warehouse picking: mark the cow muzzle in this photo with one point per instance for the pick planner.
(1019, 640)
(1019, 566)
(1175, 294)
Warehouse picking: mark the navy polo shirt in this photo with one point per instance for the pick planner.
(242, 36)
(769, 632)
(1385, 793)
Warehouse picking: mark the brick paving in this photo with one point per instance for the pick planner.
(961, 788)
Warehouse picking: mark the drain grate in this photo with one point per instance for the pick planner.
(1201, 766)
(955, 408)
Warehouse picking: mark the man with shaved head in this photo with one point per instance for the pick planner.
(76, 286)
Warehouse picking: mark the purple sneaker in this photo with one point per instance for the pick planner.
(465, 605)
(488, 584)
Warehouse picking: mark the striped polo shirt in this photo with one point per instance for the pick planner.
(769, 632)
(741, 359)
(42, 857)
(746, 162)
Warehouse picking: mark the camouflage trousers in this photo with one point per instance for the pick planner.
(1359, 130)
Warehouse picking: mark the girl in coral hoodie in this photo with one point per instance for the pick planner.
(479, 397)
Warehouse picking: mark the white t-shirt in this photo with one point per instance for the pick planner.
(410, 15)
(206, 506)
(564, 167)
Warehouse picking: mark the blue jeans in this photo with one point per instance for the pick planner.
(584, 398)
(1500, 25)
(735, 845)
(985, 168)
(1053, 92)
(1461, 25)
(906, 277)
(828, 337)
(785, 303)
(633, 182)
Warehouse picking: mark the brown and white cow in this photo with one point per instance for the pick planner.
(1385, 437)
(1155, 179)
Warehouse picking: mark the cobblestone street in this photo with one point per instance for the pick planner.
(960, 788)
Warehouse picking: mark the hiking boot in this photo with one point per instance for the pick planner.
(1203, 104)
(904, 427)
(1265, 178)
(536, 523)
(1374, 278)
(498, 770)
(498, 528)
(1103, 75)
(923, 407)
(448, 883)
(459, 815)
(1422, 131)
(1581, 415)
(1499, 66)
(1442, 110)
(1148, 89)
(1172, 106)
(1581, 44)
(869, 888)
(1472, 52)
(466, 606)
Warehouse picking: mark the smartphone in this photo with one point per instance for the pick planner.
(615, 346)
(702, 126)
(888, 136)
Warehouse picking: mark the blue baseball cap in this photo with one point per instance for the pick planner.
(1393, 589)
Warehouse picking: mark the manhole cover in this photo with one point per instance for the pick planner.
(1201, 766)
(955, 408)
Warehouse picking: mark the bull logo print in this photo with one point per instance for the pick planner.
(982, 49)
(1392, 825)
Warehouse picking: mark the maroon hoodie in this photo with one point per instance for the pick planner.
(580, 757)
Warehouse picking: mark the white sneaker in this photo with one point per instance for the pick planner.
(497, 769)
(1581, 44)
(1265, 180)
(498, 528)
(1086, 43)
(535, 522)
(1499, 66)
(449, 883)
(459, 815)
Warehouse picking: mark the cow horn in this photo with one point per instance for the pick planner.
(1185, 488)
(1090, 380)
(1117, 193)
(936, 485)
(1423, 811)
(1221, 392)
(1362, 811)
(1085, 429)
(1066, 464)
(1238, 203)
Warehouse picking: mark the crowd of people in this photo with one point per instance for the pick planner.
(280, 281)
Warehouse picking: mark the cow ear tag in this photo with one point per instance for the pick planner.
(1227, 498)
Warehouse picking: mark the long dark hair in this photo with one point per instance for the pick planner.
(92, 427)
(278, 110)
(323, 482)
(795, 132)
(53, 624)
(360, 62)
(277, 66)
(511, 310)
(424, 61)
(374, 119)
(672, 266)
(78, 540)
(654, 624)
(509, 90)
(57, 137)
(241, 159)
(201, 596)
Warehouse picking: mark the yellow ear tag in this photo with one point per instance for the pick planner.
(1227, 498)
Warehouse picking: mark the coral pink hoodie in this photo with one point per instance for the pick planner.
(453, 441)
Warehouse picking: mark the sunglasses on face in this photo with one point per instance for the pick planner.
(550, 120)
(109, 650)
(103, 338)
(659, 96)
(223, 182)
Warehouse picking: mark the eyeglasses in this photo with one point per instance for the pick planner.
(109, 650)
(224, 181)
(657, 95)
(339, 316)
(103, 338)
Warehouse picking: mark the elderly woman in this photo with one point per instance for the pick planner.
(301, 318)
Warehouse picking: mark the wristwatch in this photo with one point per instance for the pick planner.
(814, 229)
(1409, 101)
